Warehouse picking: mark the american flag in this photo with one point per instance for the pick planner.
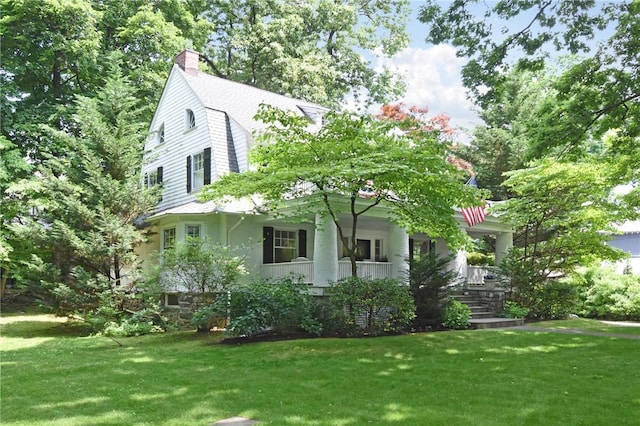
(473, 215)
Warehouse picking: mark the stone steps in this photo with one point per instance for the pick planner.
(482, 317)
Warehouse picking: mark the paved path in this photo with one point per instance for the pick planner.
(574, 331)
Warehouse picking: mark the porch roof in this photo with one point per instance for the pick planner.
(243, 206)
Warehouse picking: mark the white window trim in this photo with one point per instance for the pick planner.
(199, 224)
(296, 241)
(188, 123)
(196, 185)
(163, 240)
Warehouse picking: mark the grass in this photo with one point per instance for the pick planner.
(50, 376)
(591, 325)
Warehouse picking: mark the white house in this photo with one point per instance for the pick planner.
(202, 129)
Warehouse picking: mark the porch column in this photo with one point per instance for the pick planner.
(399, 252)
(504, 241)
(459, 262)
(325, 255)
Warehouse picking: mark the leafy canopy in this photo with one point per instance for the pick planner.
(351, 166)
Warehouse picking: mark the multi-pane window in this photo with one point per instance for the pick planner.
(197, 170)
(192, 231)
(168, 238)
(191, 119)
(284, 245)
(152, 179)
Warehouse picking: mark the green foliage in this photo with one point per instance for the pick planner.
(324, 170)
(200, 265)
(513, 310)
(372, 306)
(565, 231)
(590, 100)
(480, 259)
(308, 50)
(430, 282)
(607, 294)
(524, 367)
(544, 296)
(203, 317)
(279, 306)
(456, 315)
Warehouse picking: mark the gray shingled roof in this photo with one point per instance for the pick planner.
(239, 101)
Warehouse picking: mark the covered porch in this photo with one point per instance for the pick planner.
(319, 259)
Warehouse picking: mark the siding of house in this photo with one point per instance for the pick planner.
(179, 140)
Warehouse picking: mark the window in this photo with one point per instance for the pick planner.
(279, 245)
(198, 170)
(192, 231)
(168, 238)
(171, 299)
(190, 120)
(152, 179)
(284, 246)
(161, 134)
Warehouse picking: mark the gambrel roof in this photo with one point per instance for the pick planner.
(241, 101)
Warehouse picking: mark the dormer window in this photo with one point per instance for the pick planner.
(190, 119)
(161, 134)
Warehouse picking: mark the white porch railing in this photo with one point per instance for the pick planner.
(280, 270)
(476, 275)
(365, 269)
(306, 269)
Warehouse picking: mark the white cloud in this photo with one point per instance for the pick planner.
(432, 76)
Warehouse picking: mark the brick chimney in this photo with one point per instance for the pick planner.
(188, 61)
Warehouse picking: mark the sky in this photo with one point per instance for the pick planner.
(432, 76)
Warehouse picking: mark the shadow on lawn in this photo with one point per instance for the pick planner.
(32, 329)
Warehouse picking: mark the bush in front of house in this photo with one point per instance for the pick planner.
(456, 315)
(430, 283)
(363, 306)
(606, 294)
(280, 306)
(545, 297)
(513, 310)
(475, 258)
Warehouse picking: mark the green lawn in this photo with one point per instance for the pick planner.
(50, 376)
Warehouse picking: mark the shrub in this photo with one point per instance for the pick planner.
(281, 306)
(607, 294)
(371, 306)
(456, 315)
(513, 310)
(554, 300)
(532, 289)
(430, 282)
(480, 259)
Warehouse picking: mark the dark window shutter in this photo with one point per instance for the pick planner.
(188, 173)
(267, 244)
(411, 249)
(159, 175)
(302, 243)
(207, 166)
(146, 180)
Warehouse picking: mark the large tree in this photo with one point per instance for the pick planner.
(597, 95)
(349, 167)
(90, 201)
(310, 49)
